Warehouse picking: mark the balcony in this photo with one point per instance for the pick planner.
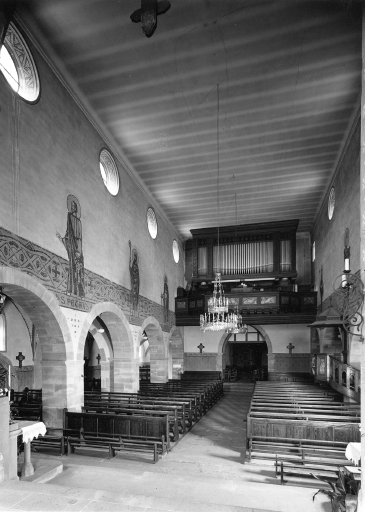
(256, 307)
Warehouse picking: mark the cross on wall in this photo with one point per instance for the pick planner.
(200, 347)
(290, 347)
(98, 357)
(20, 358)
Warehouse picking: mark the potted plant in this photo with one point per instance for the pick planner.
(343, 493)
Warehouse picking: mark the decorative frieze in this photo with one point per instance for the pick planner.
(52, 271)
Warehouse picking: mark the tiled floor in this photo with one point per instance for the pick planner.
(206, 471)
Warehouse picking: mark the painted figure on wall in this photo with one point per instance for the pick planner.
(165, 301)
(134, 274)
(73, 245)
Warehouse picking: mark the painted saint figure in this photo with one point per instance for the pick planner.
(165, 301)
(73, 245)
(134, 275)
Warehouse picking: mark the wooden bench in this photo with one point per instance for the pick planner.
(184, 407)
(307, 467)
(50, 441)
(296, 448)
(191, 405)
(127, 426)
(112, 445)
(135, 410)
(30, 412)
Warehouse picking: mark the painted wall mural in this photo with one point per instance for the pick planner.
(73, 245)
(165, 300)
(134, 275)
(53, 271)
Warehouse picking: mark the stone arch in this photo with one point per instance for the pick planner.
(225, 337)
(159, 351)
(177, 352)
(123, 368)
(43, 309)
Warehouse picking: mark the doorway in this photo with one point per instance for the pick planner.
(247, 354)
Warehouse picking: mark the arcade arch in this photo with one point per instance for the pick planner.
(119, 362)
(159, 351)
(42, 307)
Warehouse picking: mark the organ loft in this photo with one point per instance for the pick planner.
(181, 255)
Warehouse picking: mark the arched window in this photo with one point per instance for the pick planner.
(175, 251)
(18, 67)
(109, 172)
(152, 222)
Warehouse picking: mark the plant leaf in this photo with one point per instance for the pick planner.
(323, 479)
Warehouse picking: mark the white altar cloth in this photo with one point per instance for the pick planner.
(32, 429)
(353, 452)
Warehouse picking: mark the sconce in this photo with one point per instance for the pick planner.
(349, 295)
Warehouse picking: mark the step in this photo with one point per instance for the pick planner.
(94, 489)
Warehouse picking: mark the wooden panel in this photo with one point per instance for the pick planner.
(200, 362)
(290, 363)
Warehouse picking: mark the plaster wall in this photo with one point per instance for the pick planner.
(193, 336)
(281, 335)
(329, 234)
(18, 336)
(50, 150)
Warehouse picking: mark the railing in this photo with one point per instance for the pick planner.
(344, 378)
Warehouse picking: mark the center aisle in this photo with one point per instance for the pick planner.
(217, 443)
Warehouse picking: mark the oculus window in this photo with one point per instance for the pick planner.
(152, 222)
(109, 172)
(18, 67)
(175, 251)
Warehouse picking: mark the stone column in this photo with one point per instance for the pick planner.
(4, 434)
(126, 375)
(105, 375)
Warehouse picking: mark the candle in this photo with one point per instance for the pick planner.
(347, 264)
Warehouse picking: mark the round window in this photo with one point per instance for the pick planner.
(18, 67)
(175, 251)
(331, 203)
(152, 222)
(109, 172)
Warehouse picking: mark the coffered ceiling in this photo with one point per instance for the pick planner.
(246, 97)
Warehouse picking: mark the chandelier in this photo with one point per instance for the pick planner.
(217, 317)
(238, 327)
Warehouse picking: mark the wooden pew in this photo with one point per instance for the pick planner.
(192, 405)
(151, 428)
(263, 447)
(30, 412)
(50, 441)
(307, 467)
(112, 444)
(185, 411)
(137, 410)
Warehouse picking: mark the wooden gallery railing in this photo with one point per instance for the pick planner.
(341, 376)
(344, 378)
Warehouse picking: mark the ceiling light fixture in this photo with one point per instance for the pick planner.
(217, 317)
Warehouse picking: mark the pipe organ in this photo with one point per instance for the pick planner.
(255, 250)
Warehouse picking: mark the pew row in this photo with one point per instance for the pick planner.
(143, 428)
